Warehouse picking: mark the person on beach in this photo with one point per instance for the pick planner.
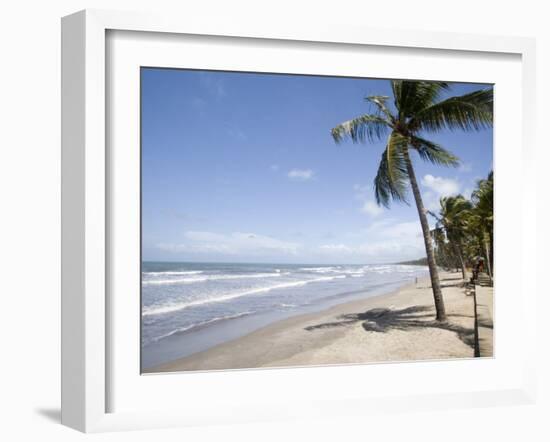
(478, 268)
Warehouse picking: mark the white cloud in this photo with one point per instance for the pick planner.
(274, 167)
(398, 230)
(388, 240)
(300, 174)
(383, 241)
(371, 208)
(438, 187)
(406, 232)
(389, 251)
(441, 186)
(236, 243)
(363, 194)
(339, 248)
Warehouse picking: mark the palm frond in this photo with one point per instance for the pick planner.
(434, 153)
(392, 178)
(473, 111)
(413, 96)
(380, 102)
(454, 205)
(433, 215)
(438, 235)
(482, 197)
(455, 213)
(366, 127)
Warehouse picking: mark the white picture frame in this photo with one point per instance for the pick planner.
(86, 203)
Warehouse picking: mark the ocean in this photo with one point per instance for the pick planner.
(190, 307)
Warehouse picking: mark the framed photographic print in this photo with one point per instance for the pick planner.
(276, 250)
(290, 222)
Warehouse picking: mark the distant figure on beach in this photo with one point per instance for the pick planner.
(478, 268)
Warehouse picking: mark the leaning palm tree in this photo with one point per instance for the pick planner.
(418, 108)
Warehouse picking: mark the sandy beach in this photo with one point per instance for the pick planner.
(399, 326)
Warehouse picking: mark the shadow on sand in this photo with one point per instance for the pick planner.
(382, 320)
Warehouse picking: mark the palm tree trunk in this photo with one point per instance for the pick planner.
(491, 252)
(488, 258)
(436, 286)
(461, 260)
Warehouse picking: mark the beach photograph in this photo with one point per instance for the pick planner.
(308, 220)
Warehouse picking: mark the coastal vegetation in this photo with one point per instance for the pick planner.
(463, 234)
(417, 109)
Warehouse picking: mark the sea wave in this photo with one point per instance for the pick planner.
(169, 308)
(211, 278)
(284, 305)
(329, 269)
(175, 273)
(200, 325)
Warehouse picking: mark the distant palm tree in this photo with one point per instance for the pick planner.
(482, 218)
(455, 217)
(418, 108)
(441, 245)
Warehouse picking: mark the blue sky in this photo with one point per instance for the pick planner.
(241, 167)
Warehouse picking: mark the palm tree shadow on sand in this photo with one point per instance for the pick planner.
(382, 320)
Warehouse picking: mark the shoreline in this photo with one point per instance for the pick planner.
(203, 338)
(395, 326)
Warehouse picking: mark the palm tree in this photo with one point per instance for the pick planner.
(442, 256)
(454, 218)
(482, 217)
(418, 108)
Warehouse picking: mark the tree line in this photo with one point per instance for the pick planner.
(463, 233)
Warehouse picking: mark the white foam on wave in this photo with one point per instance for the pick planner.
(177, 273)
(169, 308)
(211, 278)
(355, 272)
(328, 269)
